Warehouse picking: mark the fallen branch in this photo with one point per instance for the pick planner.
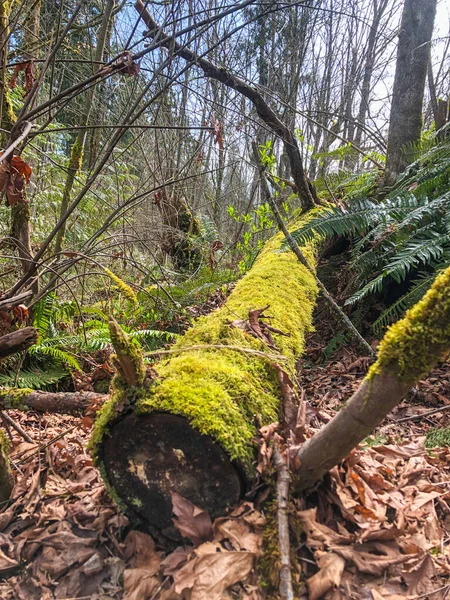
(422, 415)
(57, 402)
(284, 544)
(17, 341)
(12, 302)
(301, 257)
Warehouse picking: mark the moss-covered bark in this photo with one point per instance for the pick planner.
(223, 394)
(6, 477)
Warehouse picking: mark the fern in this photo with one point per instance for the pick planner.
(43, 314)
(58, 355)
(406, 301)
(394, 238)
(37, 379)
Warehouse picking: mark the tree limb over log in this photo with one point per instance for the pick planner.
(17, 341)
(59, 402)
(410, 348)
(305, 189)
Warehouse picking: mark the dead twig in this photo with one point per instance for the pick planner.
(44, 446)
(283, 482)
(421, 415)
(7, 419)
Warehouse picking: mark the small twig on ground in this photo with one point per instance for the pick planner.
(421, 415)
(46, 445)
(7, 419)
(283, 481)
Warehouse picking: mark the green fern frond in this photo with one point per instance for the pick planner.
(354, 218)
(32, 378)
(58, 355)
(397, 309)
(42, 318)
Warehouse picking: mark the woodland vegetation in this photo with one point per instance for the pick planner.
(224, 299)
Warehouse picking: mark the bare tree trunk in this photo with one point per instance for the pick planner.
(77, 151)
(7, 116)
(21, 212)
(409, 85)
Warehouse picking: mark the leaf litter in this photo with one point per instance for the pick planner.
(378, 527)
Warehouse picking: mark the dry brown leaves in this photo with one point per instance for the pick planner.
(381, 526)
(13, 178)
(378, 528)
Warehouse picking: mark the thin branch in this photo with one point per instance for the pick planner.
(299, 254)
(16, 142)
(284, 545)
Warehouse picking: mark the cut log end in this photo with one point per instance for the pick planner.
(149, 456)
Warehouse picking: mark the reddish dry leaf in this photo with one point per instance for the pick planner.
(13, 178)
(238, 533)
(191, 522)
(420, 579)
(373, 558)
(27, 67)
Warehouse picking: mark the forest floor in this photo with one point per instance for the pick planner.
(377, 528)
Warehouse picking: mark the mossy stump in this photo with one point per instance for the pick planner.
(191, 427)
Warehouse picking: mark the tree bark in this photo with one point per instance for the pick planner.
(190, 425)
(408, 351)
(64, 403)
(6, 477)
(17, 341)
(409, 84)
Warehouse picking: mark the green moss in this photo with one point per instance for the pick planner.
(14, 398)
(438, 437)
(123, 287)
(76, 156)
(413, 345)
(224, 393)
(130, 356)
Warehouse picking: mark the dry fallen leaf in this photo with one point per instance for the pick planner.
(192, 522)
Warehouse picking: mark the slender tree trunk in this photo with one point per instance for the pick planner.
(7, 117)
(77, 150)
(409, 84)
(369, 67)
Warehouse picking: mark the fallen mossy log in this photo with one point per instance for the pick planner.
(190, 427)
